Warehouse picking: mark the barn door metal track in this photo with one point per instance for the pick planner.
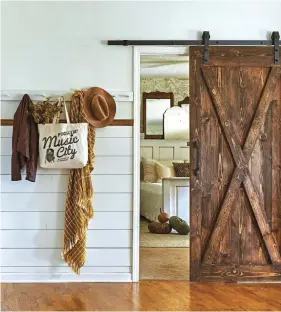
(193, 42)
(206, 42)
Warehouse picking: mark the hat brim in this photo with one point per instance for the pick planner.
(88, 109)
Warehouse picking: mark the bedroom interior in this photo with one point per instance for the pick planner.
(164, 168)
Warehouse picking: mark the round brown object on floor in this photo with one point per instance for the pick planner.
(159, 228)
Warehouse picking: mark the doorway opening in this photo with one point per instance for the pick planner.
(164, 189)
(234, 156)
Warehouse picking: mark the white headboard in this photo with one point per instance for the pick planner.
(164, 149)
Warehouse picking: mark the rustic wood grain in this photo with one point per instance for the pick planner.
(254, 78)
(265, 141)
(276, 166)
(195, 182)
(240, 273)
(237, 108)
(247, 82)
(238, 56)
(242, 173)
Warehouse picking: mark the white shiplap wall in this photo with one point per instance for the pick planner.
(32, 214)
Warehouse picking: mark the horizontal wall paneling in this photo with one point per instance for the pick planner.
(103, 165)
(51, 220)
(58, 184)
(54, 238)
(103, 146)
(32, 217)
(52, 257)
(56, 201)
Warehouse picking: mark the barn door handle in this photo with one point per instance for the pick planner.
(196, 144)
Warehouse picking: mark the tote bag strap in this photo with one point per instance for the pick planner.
(57, 116)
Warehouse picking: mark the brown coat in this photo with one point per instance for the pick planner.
(25, 142)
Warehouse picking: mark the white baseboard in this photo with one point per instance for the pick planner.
(65, 278)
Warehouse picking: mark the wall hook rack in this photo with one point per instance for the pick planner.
(52, 95)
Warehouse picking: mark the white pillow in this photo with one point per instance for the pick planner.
(150, 173)
(149, 170)
(164, 171)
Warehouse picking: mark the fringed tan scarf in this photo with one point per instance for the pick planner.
(79, 207)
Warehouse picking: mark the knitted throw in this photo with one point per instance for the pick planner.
(79, 207)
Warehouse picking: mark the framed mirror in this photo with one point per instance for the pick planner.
(176, 123)
(154, 106)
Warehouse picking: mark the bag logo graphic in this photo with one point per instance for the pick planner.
(61, 147)
(50, 155)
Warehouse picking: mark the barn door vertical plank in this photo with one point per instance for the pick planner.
(247, 104)
(210, 168)
(237, 109)
(276, 166)
(265, 141)
(195, 88)
(254, 80)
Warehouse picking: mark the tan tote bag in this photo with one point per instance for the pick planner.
(63, 145)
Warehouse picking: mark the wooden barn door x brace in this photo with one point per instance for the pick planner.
(235, 127)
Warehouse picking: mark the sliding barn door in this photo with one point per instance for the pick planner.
(236, 165)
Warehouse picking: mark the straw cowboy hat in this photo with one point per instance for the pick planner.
(99, 107)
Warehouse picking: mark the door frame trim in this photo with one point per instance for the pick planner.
(137, 53)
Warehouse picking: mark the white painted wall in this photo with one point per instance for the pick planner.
(58, 46)
(48, 45)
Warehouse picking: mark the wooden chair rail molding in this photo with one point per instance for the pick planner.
(116, 122)
(40, 95)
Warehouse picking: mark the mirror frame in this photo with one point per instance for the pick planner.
(186, 100)
(155, 95)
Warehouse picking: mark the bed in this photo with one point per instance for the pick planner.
(150, 200)
(172, 196)
(172, 193)
(176, 192)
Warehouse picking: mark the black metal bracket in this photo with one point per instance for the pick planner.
(206, 41)
(275, 41)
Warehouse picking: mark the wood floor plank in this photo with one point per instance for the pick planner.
(143, 296)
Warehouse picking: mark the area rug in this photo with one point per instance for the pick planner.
(150, 240)
(170, 264)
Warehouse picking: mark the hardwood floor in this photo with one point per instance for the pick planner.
(144, 296)
(169, 264)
